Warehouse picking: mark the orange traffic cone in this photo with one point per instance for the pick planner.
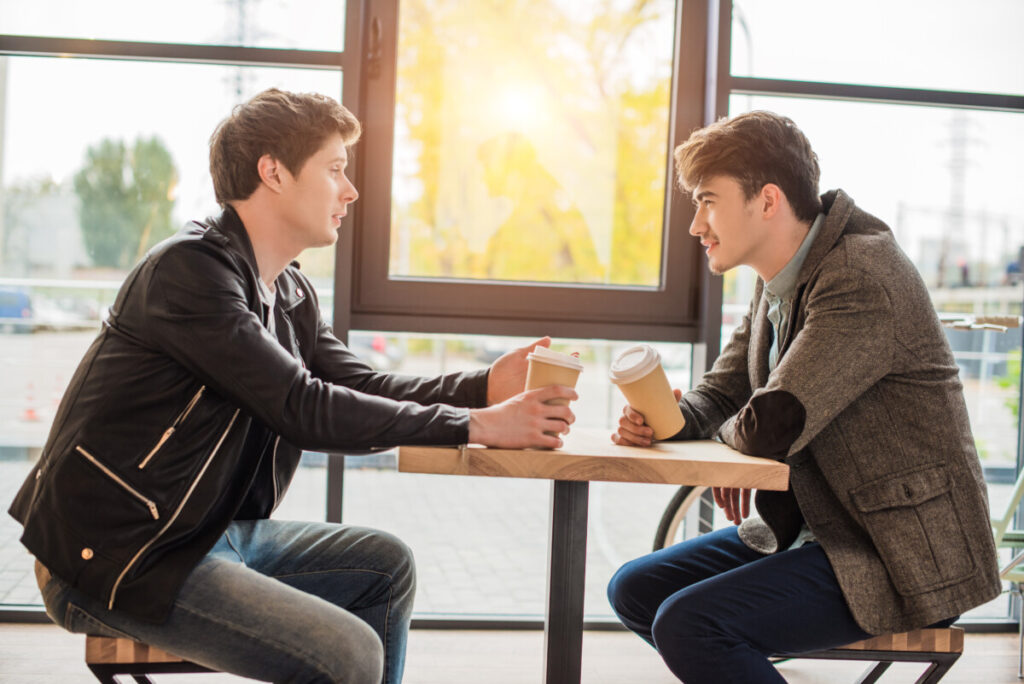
(29, 415)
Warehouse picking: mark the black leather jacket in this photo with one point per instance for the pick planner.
(186, 414)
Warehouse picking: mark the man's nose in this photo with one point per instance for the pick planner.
(696, 227)
(349, 194)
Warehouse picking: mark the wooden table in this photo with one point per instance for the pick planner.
(590, 455)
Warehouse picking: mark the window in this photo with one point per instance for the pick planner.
(244, 23)
(943, 177)
(520, 163)
(75, 214)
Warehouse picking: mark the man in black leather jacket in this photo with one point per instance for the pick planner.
(181, 429)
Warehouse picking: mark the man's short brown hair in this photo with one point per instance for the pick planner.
(290, 127)
(755, 148)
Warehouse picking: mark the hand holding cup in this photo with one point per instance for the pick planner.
(653, 410)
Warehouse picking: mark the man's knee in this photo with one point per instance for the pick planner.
(626, 589)
(689, 616)
(396, 556)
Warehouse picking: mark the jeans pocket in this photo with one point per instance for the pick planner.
(78, 621)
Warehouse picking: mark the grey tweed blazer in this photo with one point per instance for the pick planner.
(866, 407)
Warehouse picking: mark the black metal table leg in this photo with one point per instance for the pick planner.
(567, 557)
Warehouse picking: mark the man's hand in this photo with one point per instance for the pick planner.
(734, 502)
(508, 374)
(520, 422)
(633, 430)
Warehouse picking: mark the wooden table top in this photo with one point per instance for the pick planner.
(591, 455)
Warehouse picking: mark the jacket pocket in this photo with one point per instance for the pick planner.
(913, 522)
(119, 482)
(169, 432)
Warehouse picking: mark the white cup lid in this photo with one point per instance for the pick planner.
(633, 364)
(555, 358)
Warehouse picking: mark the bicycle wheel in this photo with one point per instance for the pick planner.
(682, 519)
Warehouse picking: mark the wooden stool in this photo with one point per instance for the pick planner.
(940, 647)
(107, 657)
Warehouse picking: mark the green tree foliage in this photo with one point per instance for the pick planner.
(482, 194)
(126, 195)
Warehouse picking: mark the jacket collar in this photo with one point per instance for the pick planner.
(228, 230)
(837, 207)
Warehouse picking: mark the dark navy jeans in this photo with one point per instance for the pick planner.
(716, 609)
(298, 602)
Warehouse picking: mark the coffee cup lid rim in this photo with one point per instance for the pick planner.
(648, 359)
(557, 358)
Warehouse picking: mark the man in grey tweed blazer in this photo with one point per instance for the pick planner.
(840, 369)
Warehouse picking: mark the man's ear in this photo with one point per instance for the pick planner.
(771, 200)
(270, 172)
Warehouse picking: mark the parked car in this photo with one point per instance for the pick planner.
(376, 349)
(65, 313)
(17, 315)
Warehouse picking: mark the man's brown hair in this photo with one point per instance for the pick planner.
(290, 127)
(755, 148)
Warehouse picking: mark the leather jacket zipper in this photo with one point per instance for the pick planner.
(273, 468)
(124, 485)
(177, 511)
(174, 426)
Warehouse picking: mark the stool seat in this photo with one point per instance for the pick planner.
(109, 656)
(938, 647)
(949, 640)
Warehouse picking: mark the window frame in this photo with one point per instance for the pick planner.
(677, 310)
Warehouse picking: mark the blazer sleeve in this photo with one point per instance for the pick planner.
(845, 346)
(197, 312)
(723, 389)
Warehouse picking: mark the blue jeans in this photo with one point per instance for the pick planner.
(279, 601)
(716, 609)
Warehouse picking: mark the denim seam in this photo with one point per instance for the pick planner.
(227, 537)
(73, 608)
(321, 572)
(387, 620)
(286, 649)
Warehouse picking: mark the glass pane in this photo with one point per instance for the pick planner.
(942, 45)
(298, 24)
(530, 141)
(947, 182)
(60, 265)
(481, 542)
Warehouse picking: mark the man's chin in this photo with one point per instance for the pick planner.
(330, 238)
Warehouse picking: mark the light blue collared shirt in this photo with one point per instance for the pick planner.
(780, 292)
(781, 289)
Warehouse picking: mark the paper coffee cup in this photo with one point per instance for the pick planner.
(638, 373)
(546, 367)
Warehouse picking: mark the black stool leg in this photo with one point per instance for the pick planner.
(874, 673)
(104, 673)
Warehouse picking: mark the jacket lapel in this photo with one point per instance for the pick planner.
(760, 340)
(837, 206)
